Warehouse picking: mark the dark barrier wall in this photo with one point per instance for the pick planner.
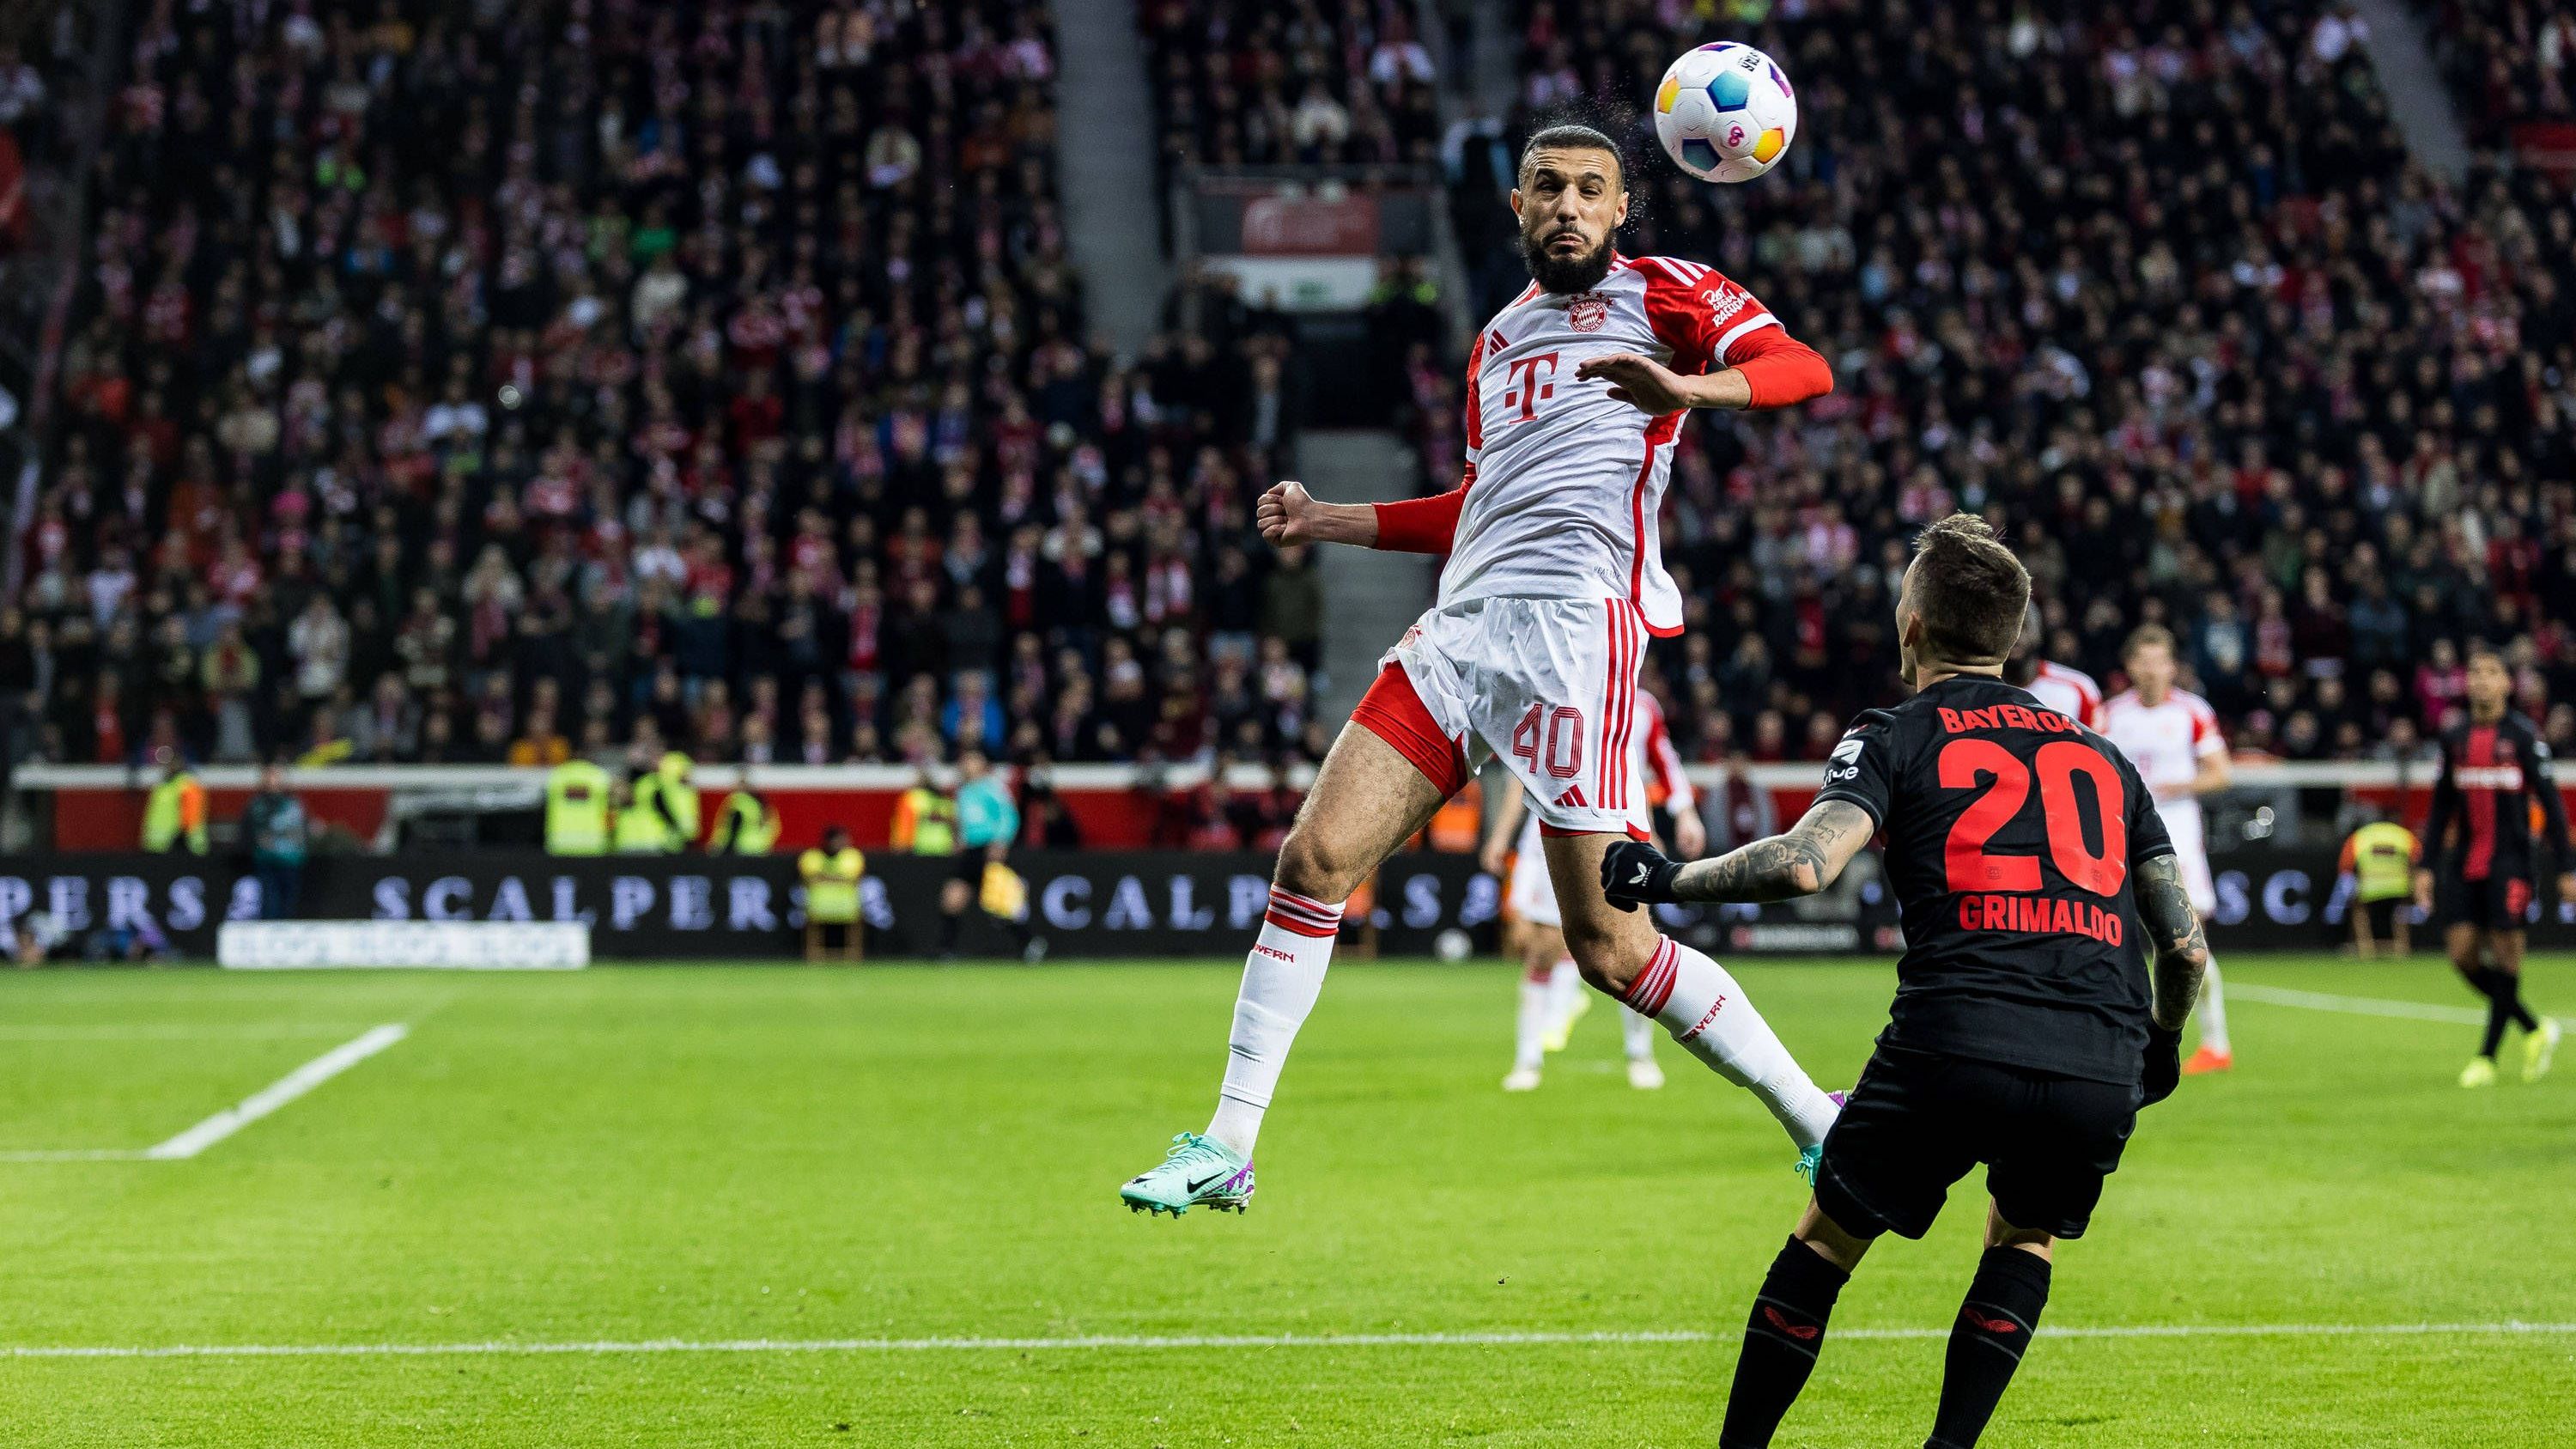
(1095, 903)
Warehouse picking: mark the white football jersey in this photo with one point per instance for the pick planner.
(1565, 483)
(2167, 742)
(2070, 692)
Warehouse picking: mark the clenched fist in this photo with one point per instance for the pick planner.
(1283, 515)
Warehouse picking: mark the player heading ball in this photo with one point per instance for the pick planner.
(1555, 581)
(2024, 1035)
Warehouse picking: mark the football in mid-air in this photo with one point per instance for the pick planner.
(1725, 112)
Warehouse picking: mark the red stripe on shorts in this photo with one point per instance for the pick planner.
(1393, 712)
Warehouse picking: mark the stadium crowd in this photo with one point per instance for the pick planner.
(455, 384)
(495, 382)
(1248, 83)
(2159, 292)
(2508, 61)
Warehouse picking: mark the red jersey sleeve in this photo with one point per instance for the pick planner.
(1710, 322)
(1423, 525)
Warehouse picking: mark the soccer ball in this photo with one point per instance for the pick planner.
(1725, 112)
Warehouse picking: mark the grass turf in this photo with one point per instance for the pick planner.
(703, 1155)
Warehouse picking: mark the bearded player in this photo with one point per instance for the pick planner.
(1554, 583)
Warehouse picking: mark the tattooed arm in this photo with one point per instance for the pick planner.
(2182, 952)
(1799, 862)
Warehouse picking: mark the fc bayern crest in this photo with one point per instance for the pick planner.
(1586, 313)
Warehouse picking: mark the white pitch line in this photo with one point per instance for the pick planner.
(234, 1118)
(277, 1094)
(2364, 1005)
(1229, 1340)
(165, 1031)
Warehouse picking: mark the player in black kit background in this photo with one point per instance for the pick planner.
(2026, 1033)
(2480, 868)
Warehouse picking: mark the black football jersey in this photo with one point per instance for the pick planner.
(2492, 777)
(2011, 833)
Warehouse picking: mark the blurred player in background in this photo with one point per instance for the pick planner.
(2496, 774)
(2172, 736)
(2070, 692)
(1555, 581)
(2025, 1033)
(1552, 996)
(2381, 858)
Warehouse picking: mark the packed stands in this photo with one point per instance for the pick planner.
(1247, 83)
(2510, 62)
(2160, 292)
(484, 382)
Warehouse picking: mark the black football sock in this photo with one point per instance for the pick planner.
(2504, 1005)
(1780, 1344)
(1986, 1344)
(2509, 993)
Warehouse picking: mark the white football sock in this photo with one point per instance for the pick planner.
(1564, 989)
(1281, 979)
(1529, 1048)
(1639, 1033)
(2213, 1011)
(1708, 1013)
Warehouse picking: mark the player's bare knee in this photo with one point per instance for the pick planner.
(1607, 959)
(1312, 864)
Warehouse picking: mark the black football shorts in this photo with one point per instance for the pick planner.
(1918, 1121)
(2501, 902)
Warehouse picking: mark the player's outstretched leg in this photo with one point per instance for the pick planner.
(1366, 801)
(2215, 1054)
(1690, 996)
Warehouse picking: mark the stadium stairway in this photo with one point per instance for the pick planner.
(2418, 100)
(1105, 144)
(1370, 596)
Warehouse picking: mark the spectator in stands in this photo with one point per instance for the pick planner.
(481, 373)
(2184, 318)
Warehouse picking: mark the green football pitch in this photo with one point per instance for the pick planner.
(761, 1205)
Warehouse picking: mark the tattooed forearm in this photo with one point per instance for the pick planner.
(2173, 928)
(1800, 862)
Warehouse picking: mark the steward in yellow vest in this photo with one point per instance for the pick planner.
(577, 794)
(174, 814)
(638, 828)
(831, 874)
(745, 824)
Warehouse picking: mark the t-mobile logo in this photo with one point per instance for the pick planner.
(1528, 385)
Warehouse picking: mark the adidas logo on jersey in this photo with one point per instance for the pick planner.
(1573, 796)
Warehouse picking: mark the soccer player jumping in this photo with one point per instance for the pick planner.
(1555, 581)
(2024, 1034)
(2495, 769)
